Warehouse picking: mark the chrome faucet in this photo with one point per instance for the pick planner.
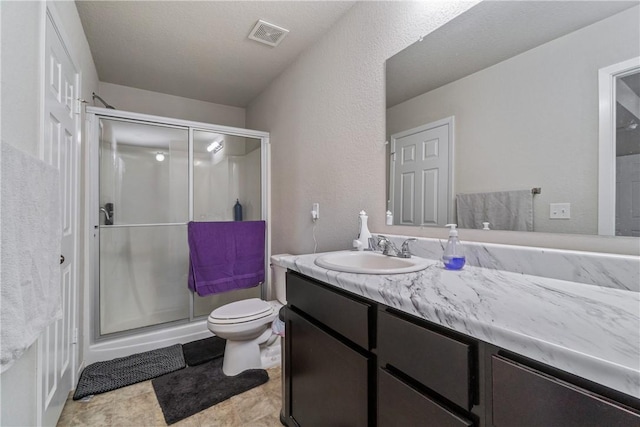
(389, 249)
(387, 246)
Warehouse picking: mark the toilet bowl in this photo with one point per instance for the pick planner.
(246, 325)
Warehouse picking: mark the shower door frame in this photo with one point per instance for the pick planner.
(92, 212)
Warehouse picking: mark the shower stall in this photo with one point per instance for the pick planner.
(150, 176)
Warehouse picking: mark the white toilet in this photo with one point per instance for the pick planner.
(246, 325)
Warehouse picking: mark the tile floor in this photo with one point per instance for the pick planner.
(137, 406)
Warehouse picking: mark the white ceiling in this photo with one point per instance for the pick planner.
(200, 49)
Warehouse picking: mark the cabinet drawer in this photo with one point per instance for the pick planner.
(401, 405)
(528, 398)
(329, 381)
(347, 316)
(442, 364)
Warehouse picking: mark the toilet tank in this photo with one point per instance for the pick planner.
(278, 279)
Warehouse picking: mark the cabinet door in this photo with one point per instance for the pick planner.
(401, 405)
(527, 398)
(328, 380)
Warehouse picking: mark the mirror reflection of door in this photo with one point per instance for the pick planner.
(421, 170)
(628, 154)
(619, 149)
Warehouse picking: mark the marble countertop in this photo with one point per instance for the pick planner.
(589, 331)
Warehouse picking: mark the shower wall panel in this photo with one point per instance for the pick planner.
(221, 176)
(142, 189)
(143, 276)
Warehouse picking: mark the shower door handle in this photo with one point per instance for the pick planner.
(61, 259)
(108, 213)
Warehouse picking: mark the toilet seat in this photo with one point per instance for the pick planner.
(241, 311)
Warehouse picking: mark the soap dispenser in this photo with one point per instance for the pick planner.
(364, 235)
(453, 257)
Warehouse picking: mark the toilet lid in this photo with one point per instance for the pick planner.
(244, 310)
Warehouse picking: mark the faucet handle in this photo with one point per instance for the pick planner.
(385, 244)
(404, 251)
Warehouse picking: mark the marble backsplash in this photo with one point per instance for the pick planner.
(592, 268)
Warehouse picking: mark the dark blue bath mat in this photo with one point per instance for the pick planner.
(101, 377)
(196, 388)
(201, 351)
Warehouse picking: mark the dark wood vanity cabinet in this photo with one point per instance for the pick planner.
(329, 367)
(352, 362)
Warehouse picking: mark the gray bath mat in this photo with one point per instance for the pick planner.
(204, 350)
(101, 377)
(195, 388)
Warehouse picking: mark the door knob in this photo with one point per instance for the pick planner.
(61, 259)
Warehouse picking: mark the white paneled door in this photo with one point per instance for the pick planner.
(60, 149)
(420, 174)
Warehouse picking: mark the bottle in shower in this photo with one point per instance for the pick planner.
(237, 211)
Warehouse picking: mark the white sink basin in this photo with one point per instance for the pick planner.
(370, 263)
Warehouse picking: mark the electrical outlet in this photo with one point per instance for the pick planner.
(559, 210)
(315, 211)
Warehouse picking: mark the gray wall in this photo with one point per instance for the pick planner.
(326, 115)
(532, 121)
(160, 104)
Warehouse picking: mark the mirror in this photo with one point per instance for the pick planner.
(518, 81)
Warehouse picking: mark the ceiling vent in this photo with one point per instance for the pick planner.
(267, 33)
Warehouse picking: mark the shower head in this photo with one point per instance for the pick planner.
(103, 102)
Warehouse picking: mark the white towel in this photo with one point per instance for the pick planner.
(504, 210)
(31, 233)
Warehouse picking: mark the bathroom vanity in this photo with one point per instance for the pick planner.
(389, 350)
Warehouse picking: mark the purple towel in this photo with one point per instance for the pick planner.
(225, 256)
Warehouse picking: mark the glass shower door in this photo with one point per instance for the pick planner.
(144, 175)
(226, 169)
